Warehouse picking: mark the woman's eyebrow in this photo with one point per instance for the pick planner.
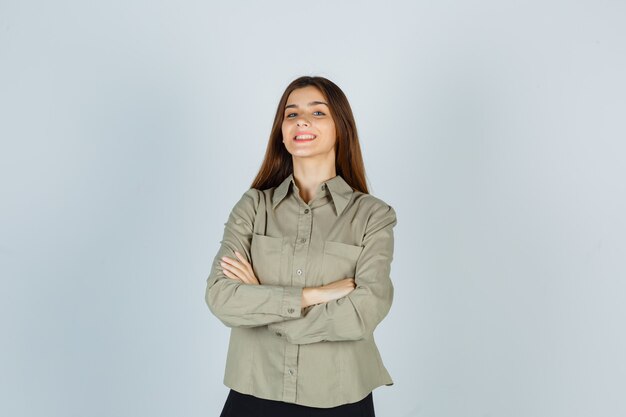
(310, 104)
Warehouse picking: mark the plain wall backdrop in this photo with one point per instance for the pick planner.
(496, 130)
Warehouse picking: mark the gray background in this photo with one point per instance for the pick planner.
(495, 129)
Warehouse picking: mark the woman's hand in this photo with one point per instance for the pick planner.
(241, 270)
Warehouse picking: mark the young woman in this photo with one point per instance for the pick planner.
(302, 276)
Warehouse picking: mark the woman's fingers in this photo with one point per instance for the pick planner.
(248, 268)
(242, 259)
(231, 275)
(233, 265)
(241, 270)
(230, 265)
(244, 266)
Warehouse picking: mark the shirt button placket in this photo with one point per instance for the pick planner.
(303, 236)
(302, 244)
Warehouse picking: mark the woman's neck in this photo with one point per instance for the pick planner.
(308, 178)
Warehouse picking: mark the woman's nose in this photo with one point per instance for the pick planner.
(302, 122)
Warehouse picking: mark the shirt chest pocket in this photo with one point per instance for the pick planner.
(266, 253)
(339, 261)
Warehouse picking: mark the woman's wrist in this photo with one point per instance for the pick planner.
(311, 296)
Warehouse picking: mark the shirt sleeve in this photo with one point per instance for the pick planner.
(356, 315)
(238, 304)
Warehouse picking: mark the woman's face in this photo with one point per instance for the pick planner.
(307, 113)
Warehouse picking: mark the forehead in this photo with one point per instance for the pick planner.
(304, 95)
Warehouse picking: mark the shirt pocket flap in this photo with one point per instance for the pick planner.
(339, 260)
(266, 254)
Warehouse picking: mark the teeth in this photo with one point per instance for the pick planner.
(305, 137)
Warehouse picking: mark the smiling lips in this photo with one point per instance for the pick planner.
(304, 137)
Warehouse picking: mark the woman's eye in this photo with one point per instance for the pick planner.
(320, 113)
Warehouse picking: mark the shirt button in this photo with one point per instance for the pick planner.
(306, 211)
(299, 272)
(291, 310)
(291, 372)
(323, 187)
(303, 240)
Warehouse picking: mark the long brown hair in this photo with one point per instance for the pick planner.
(278, 164)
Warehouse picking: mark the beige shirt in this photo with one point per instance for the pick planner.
(322, 355)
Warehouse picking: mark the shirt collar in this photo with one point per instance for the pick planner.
(340, 191)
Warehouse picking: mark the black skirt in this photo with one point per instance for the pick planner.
(244, 405)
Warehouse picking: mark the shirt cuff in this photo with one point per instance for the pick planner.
(292, 302)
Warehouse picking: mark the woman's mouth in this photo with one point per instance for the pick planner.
(304, 138)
